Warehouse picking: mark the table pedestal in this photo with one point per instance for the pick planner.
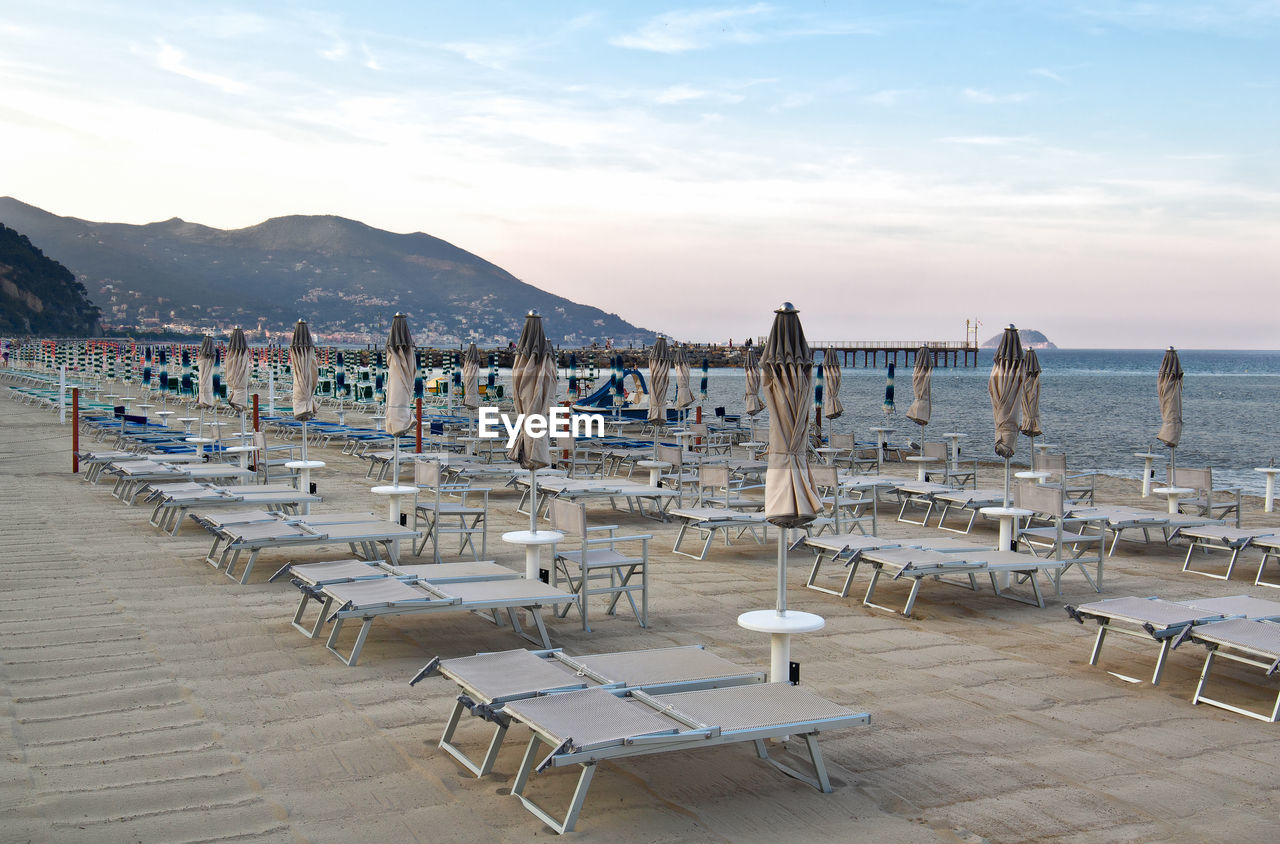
(394, 494)
(1007, 517)
(922, 466)
(655, 468)
(780, 627)
(532, 542)
(1037, 476)
(1174, 493)
(955, 438)
(1147, 460)
(1269, 503)
(199, 443)
(881, 438)
(243, 451)
(304, 468)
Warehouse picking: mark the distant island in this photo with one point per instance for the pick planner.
(1031, 339)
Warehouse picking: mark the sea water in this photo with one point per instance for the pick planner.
(1098, 407)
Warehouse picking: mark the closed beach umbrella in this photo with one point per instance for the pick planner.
(789, 494)
(400, 378)
(237, 371)
(684, 395)
(702, 385)
(533, 384)
(205, 398)
(659, 383)
(922, 385)
(1005, 388)
(753, 401)
(1169, 389)
(888, 392)
(302, 362)
(1031, 400)
(471, 377)
(832, 408)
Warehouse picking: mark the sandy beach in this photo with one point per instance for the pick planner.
(147, 697)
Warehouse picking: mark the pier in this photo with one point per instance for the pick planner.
(874, 353)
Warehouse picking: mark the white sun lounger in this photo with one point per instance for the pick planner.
(1221, 538)
(133, 477)
(1142, 618)
(708, 520)
(1270, 548)
(487, 682)
(220, 523)
(172, 505)
(844, 548)
(970, 500)
(368, 599)
(920, 494)
(1246, 641)
(364, 539)
(585, 727)
(1006, 568)
(916, 564)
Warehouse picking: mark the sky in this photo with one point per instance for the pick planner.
(1105, 172)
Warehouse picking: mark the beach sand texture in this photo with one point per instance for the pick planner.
(146, 697)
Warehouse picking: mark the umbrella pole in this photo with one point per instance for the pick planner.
(1032, 440)
(533, 501)
(304, 440)
(1006, 482)
(782, 571)
(395, 460)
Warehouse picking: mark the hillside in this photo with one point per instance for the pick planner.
(38, 295)
(1030, 338)
(341, 275)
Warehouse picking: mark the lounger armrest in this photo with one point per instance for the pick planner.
(610, 528)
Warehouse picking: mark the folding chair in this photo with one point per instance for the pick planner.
(598, 567)
(436, 515)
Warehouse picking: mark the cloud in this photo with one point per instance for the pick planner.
(677, 94)
(987, 140)
(1048, 74)
(370, 60)
(494, 55)
(677, 32)
(887, 97)
(171, 59)
(982, 96)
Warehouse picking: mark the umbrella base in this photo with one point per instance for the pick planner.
(780, 626)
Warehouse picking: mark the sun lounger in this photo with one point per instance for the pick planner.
(708, 520)
(585, 727)
(487, 682)
(1223, 538)
(1142, 618)
(845, 548)
(1006, 568)
(919, 494)
(970, 500)
(916, 564)
(1246, 641)
(133, 477)
(172, 505)
(1270, 548)
(368, 599)
(364, 539)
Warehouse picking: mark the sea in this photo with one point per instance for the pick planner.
(1097, 406)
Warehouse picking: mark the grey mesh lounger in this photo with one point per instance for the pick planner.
(585, 727)
(487, 682)
(1243, 640)
(708, 520)
(364, 538)
(1221, 538)
(843, 548)
(172, 506)
(916, 564)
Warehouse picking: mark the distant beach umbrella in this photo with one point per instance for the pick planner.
(533, 385)
(237, 370)
(1031, 400)
(754, 404)
(702, 385)
(399, 410)
(684, 395)
(340, 376)
(573, 375)
(922, 385)
(659, 383)
(791, 500)
(471, 377)
(1005, 388)
(1169, 391)
(888, 405)
(302, 361)
(206, 362)
(832, 408)
(162, 361)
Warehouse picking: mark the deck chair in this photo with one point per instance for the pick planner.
(851, 453)
(487, 682)
(591, 725)
(466, 517)
(1079, 487)
(679, 475)
(841, 512)
(1075, 541)
(1222, 538)
(707, 519)
(269, 460)
(598, 566)
(1207, 501)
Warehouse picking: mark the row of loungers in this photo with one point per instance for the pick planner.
(588, 709)
(1239, 628)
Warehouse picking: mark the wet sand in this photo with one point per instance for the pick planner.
(147, 697)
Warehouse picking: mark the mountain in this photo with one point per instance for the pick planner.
(344, 277)
(38, 295)
(1030, 340)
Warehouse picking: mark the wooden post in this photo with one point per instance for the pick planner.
(75, 429)
(256, 427)
(418, 435)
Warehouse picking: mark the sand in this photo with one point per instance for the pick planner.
(146, 697)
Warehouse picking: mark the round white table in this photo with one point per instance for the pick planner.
(1038, 476)
(532, 542)
(244, 451)
(826, 452)
(655, 468)
(1007, 516)
(144, 407)
(1174, 494)
(1269, 503)
(394, 494)
(922, 465)
(882, 436)
(199, 443)
(304, 468)
(954, 437)
(780, 626)
(186, 421)
(1147, 460)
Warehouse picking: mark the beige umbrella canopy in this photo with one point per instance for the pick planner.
(533, 384)
(922, 385)
(400, 370)
(1031, 399)
(684, 395)
(1005, 387)
(302, 360)
(471, 377)
(1169, 389)
(236, 369)
(754, 404)
(832, 408)
(659, 382)
(206, 358)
